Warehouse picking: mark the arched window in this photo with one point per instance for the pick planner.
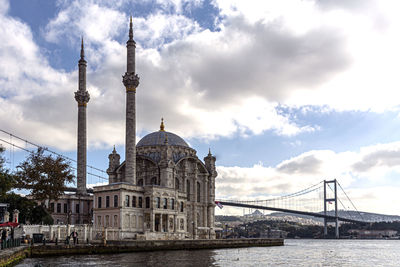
(158, 202)
(115, 201)
(140, 202)
(127, 200)
(140, 182)
(188, 189)
(176, 183)
(153, 181)
(134, 201)
(198, 192)
(147, 202)
(172, 203)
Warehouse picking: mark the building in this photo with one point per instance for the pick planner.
(162, 190)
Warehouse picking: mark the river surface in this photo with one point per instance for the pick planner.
(295, 253)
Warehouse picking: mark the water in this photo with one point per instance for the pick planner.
(294, 253)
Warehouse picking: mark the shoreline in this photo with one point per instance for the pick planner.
(15, 255)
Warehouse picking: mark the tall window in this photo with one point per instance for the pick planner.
(198, 192)
(107, 220)
(182, 206)
(140, 202)
(172, 203)
(147, 202)
(140, 182)
(99, 220)
(58, 207)
(158, 202)
(65, 207)
(99, 202)
(153, 181)
(77, 208)
(134, 201)
(165, 204)
(176, 183)
(52, 206)
(127, 200)
(115, 220)
(107, 201)
(115, 201)
(188, 189)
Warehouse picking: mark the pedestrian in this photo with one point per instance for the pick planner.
(74, 235)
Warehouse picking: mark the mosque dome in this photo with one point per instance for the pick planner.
(160, 137)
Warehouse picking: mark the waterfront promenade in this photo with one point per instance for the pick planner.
(13, 255)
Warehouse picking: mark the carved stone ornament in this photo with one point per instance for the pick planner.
(82, 97)
(130, 80)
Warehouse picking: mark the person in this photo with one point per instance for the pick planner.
(74, 235)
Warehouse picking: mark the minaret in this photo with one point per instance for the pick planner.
(82, 97)
(131, 82)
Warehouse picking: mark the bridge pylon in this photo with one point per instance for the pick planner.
(330, 200)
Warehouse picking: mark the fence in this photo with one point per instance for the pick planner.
(10, 243)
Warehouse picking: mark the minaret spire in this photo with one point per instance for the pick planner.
(82, 50)
(131, 82)
(82, 97)
(130, 30)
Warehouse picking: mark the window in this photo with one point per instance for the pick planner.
(140, 182)
(115, 220)
(158, 202)
(58, 207)
(77, 208)
(182, 206)
(115, 201)
(147, 202)
(107, 201)
(176, 183)
(198, 192)
(172, 203)
(140, 204)
(165, 206)
(127, 200)
(154, 181)
(98, 220)
(188, 189)
(107, 220)
(134, 201)
(65, 207)
(99, 202)
(52, 206)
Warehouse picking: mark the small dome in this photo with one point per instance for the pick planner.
(158, 138)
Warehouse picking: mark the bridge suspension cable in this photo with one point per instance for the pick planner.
(48, 150)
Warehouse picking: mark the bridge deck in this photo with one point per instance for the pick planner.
(314, 214)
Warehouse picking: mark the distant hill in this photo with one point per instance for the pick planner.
(365, 216)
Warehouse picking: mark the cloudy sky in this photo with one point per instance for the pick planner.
(285, 93)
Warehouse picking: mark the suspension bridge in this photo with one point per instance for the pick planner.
(326, 199)
(320, 200)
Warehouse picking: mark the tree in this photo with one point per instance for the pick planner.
(44, 175)
(7, 180)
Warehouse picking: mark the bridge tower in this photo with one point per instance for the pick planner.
(330, 200)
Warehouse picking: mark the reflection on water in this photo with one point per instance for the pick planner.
(294, 253)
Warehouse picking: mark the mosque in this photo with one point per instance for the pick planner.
(161, 191)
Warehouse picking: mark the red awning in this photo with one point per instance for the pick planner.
(9, 224)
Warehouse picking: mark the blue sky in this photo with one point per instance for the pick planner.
(286, 93)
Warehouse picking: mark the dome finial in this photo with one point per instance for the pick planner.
(162, 124)
(114, 151)
(209, 151)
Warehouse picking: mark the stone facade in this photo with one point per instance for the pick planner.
(162, 190)
(72, 209)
